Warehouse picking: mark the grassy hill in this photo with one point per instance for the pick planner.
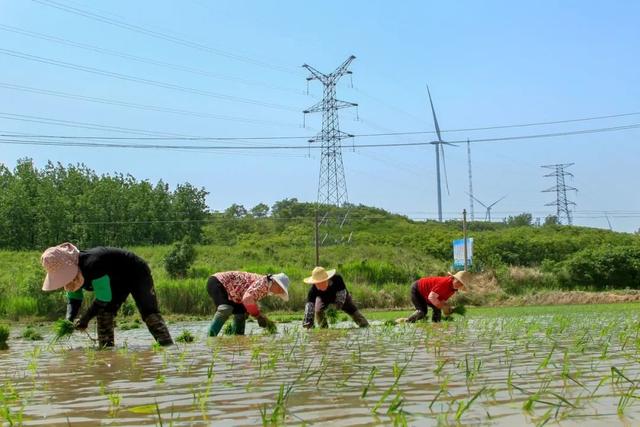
(385, 255)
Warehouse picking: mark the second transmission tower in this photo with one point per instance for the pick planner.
(561, 203)
(332, 186)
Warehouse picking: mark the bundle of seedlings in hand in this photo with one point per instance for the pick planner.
(271, 328)
(62, 328)
(332, 315)
(459, 309)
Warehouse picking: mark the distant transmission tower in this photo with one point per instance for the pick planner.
(332, 186)
(470, 181)
(561, 203)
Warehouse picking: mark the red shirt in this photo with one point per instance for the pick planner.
(443, 286)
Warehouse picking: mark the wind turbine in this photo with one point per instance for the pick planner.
(439, 149)
(487, 216)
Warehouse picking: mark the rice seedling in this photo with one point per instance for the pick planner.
(366, 388)
(185, 337)
(464, 406)
(31, 334)
(332, 315)
(229, 329)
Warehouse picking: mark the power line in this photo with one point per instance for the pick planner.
(140, 80)
(280, 147)
(364, 135)
(83, 125)
(163, 36)
(145, 107)
(144, 60)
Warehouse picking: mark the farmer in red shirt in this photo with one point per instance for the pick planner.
(434, 292)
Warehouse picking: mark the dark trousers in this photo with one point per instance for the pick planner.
(421, 304)
(143, 292)
(219, 295)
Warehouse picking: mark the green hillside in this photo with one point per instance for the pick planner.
(385, 254)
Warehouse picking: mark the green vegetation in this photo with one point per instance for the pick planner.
(40, 208)
(386, 254)
(4, 336)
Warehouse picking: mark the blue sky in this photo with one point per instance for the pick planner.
(487, 63)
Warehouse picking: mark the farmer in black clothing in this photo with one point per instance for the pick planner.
(111, 274)
(328, 288)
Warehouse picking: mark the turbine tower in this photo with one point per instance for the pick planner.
(439, 149)
(332, 186)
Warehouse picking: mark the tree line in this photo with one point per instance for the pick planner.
(43, 207)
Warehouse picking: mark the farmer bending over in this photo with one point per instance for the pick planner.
(237, 293)
(328, 288)
(111, 274)
(434, 292)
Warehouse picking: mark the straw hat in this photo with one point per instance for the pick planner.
(283, 281)
(61, 263)
(463, 277)
(318, 275)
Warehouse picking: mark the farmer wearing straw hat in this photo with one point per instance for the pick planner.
(434, 292)
(238, 292)
(111, 274)
(328, 288)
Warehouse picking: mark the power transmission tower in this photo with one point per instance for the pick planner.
(470, 181)
(439, 149)
(561, 203)
(332, 186)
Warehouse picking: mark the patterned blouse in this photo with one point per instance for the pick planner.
(240, 284)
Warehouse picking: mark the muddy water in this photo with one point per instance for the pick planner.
(499, 371)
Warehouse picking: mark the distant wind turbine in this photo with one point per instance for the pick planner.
(487, 216)
(439, 150)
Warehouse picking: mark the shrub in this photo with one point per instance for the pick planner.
(605, 267)
(179, 259)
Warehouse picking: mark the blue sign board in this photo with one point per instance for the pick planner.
(458, 253)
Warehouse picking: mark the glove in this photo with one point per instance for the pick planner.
(81, 324)
(401, 320)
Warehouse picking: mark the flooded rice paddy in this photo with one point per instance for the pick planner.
(570, 369)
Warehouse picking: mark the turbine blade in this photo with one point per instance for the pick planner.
(444, 167)
(435, 119)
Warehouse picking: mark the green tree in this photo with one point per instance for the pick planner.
(236, 211)
(260, 210)
(551, 220)
(522, 220)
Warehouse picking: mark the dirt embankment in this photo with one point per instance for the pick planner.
(486, 290)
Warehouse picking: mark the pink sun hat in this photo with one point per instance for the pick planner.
(61, 263)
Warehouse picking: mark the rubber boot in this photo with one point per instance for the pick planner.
(157, 327)
(105, 329)
(436, 316)
(222, 314)
(359, 319)
(417, 315)
(321, 318)
(239, 322)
